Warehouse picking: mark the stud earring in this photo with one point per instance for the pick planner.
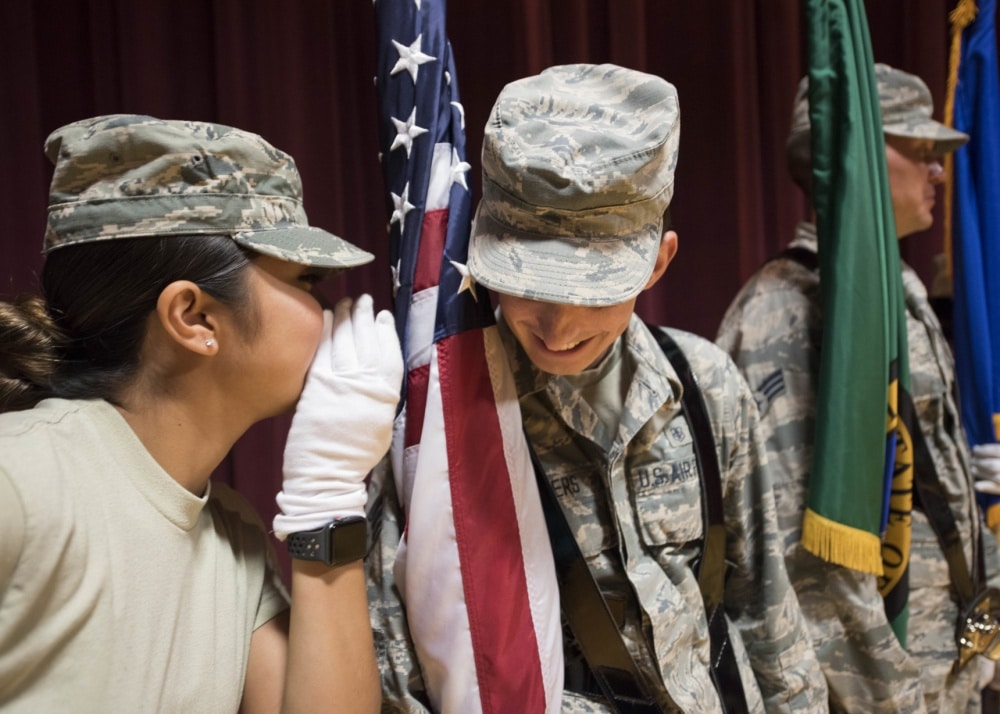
(210, 342)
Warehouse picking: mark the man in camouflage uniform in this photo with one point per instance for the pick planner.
(578, 167)
(772, 330)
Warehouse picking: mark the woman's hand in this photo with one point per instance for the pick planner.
(342, 425)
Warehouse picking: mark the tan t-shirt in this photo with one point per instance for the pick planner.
(119, 589)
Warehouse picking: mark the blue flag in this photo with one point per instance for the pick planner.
(976, 229)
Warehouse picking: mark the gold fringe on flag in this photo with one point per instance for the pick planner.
(961, 16)
(834, 542)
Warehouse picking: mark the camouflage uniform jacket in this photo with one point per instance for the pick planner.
(634, 500)
(773, 331)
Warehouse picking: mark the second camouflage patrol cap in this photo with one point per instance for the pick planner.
(129, 176)
(578, 168)
(906, 107)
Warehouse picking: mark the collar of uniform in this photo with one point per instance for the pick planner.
(653, 370)
(805, 236)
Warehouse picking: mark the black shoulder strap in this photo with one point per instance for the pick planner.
(712, 564)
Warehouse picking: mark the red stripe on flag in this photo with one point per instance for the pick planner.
(432, 235)
(505, 648)
(416, 403)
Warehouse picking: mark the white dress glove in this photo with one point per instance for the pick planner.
(342, 425)
(986, 468)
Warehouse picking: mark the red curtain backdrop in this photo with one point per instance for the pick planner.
(300, 74)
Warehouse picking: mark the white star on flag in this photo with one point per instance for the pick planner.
(406, 132)
(410, 58)
(402, 205)
(458, 169)
(468, 282)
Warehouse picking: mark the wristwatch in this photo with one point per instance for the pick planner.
(342, 541)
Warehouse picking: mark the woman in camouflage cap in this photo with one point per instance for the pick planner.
(178, 311)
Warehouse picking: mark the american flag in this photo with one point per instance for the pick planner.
(474, 567)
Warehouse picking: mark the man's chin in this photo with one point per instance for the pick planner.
(915, 228)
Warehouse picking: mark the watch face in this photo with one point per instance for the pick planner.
(350, 540)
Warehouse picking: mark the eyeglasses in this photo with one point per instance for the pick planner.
(917, 150)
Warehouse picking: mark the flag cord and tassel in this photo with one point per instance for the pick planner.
(960, 17)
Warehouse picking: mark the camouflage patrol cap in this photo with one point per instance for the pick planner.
(130, 176)
(906, 106)
(578, 168)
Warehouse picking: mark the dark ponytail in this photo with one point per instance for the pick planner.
(28, 352)
(83, 340)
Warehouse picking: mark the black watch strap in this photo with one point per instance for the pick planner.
(342, 541)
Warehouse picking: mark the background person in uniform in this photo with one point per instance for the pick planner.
(578, 171)
(773, 330)
(177, 311)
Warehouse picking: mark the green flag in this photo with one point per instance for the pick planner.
(862, 456)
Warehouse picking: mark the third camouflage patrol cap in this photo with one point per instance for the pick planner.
(906, 107)
(130, 176)
(578, 168)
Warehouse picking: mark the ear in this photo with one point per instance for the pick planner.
(668, 249)
(189, 316)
